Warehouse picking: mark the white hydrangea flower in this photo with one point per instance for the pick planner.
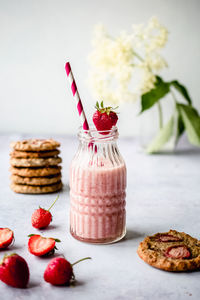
(157, 35)
(147, 81)
(113, 61)
(154, 62)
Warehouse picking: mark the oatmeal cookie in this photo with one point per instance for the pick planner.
(35, 180)
(35, 162)
(35, 172)
(36, 189)
(31, 154)
(171, 251)
(35, 145)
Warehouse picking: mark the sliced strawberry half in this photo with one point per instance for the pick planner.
(177, 252)
(40, 246)
(6, 237)
(165, 238)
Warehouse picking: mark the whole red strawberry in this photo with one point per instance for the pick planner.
(14, 271)
(60, 272)
(104, 118)
(6, 237)
(41, 218)
(41, 246)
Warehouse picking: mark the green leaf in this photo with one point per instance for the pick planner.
(31, 235)
(57, 240)
(158, 79)
(97, 104)
(102, 104)
(150, 98)
(179, 124)
(191, 120)
(162, 137)
(182, 90)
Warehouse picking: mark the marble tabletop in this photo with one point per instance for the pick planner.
(163, 192)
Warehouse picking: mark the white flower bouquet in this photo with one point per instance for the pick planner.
(126, 68)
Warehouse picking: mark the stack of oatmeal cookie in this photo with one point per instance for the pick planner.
(35, 166)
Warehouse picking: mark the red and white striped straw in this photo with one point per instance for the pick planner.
(76, 96)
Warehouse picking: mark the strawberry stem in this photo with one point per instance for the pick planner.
(53, 203)
(100, 107)
(82, 259)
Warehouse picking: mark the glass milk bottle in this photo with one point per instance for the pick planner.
(97, 189)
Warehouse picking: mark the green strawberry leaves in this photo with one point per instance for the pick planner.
(162, 137)
(159, 91)
(191, 120)
(97, 105)
(100, 107)
(57, 240)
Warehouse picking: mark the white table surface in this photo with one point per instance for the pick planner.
(163, 192)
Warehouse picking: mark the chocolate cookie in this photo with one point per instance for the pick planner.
(36, 189)
(171, 251)
(35, 172)
(35, 180)
(35, 145)
(31, 154)
(34, 162)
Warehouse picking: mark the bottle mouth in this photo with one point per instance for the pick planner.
(94, 135)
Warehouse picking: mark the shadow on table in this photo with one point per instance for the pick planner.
(179, 152)
(189, 151)
(65, 187)
(78, 283)
(132, 234)
(50, 227)
(33, 284)
(11, 248)
(50, 256)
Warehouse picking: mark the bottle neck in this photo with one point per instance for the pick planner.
(92, 136)
(97, 149)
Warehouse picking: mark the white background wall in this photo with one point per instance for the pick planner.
(37, 37)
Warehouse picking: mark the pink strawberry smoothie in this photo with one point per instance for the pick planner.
(97, 195)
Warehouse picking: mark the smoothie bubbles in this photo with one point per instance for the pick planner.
(98, 181)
